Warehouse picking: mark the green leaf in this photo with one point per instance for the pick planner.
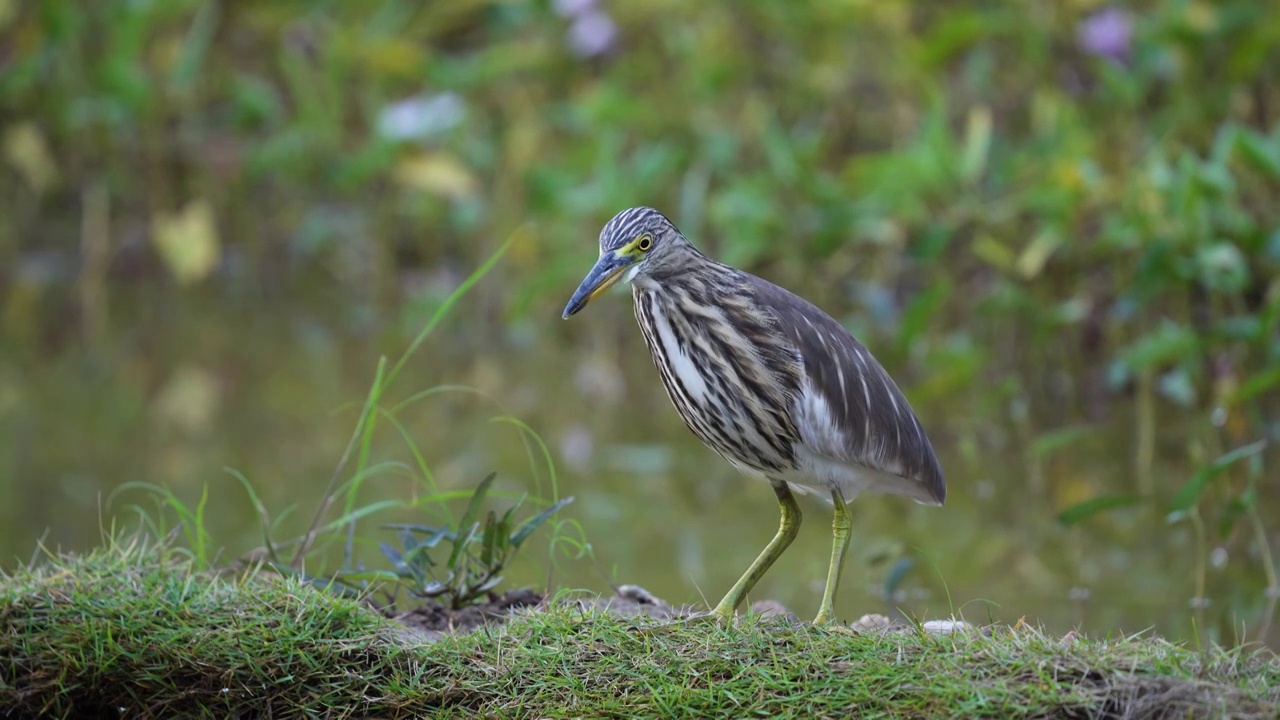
(486, 586)
(393, 555)
(1262, 152)
(1225, 142)
(504, 530)
(1176, 385)
(436, 589)
(1255, 385)
(1084, 510)
(467, 526)
(1168, 344)
(1231, 514)
(407, 540)
(779, 153)
(367, 576)
(897, 573)
(489, 539)
(433, 535)
(1190, 493)
(919, 314)
(195, 49)
(1055, 440)
(417, 554)
(510, 514)
(536, 521)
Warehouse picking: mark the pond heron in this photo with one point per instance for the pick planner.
(767, 380)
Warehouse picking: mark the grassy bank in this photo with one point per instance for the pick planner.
(134, 632)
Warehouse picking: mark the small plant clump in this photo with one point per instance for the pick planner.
(477, 554)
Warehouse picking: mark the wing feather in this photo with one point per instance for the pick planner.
(878, 428)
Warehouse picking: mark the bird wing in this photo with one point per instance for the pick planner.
(874, 426)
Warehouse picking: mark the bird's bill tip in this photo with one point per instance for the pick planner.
(608, 269)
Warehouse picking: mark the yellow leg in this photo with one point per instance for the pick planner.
(787, 529)
(723, 613)
(840, 529)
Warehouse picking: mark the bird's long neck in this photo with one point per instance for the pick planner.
(710, 338)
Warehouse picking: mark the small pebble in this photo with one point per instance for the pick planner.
(640, 595)
(946, 627)
(871, 622)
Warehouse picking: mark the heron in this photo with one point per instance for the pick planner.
(771, 383)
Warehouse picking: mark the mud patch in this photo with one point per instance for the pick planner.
(434, 619)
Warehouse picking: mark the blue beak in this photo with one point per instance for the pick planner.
(608, 269)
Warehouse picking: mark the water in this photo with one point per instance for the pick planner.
(174, 392)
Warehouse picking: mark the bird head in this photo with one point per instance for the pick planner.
(634, 242)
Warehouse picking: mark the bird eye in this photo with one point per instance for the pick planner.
(646, 242)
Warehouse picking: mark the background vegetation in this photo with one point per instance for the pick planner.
(1055, 222)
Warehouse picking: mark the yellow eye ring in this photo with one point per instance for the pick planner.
(646, 242)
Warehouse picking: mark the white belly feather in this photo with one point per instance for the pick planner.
(818, 467)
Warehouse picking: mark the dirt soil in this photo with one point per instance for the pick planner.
(434, 620)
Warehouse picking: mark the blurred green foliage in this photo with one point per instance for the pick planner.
(1063, 220)
(973, 149)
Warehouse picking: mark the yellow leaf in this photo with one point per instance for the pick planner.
(1202, 16)
(167, 51)
(1069, 174)
(27, 151)
(977, 143)
(187, 241)
(439, 174)
(1071, 489)
(399, 57)
(523, 144)
(993, 252)
(1037, 253)
(189, 400)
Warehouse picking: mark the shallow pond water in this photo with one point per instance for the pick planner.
(179, 392)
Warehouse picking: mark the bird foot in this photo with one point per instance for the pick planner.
(828, 623)
(723, 621)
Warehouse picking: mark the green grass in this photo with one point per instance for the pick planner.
(135, 631)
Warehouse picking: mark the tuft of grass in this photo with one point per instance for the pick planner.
(135, 630)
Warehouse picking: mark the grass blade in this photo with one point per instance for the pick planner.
(264, 518)
(527, 528)
(453, 299)
(529, 433)
(326, 501)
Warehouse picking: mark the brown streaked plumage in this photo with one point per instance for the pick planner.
(767, 380)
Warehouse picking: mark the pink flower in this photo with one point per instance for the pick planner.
(592, 33)
(1107, 34)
